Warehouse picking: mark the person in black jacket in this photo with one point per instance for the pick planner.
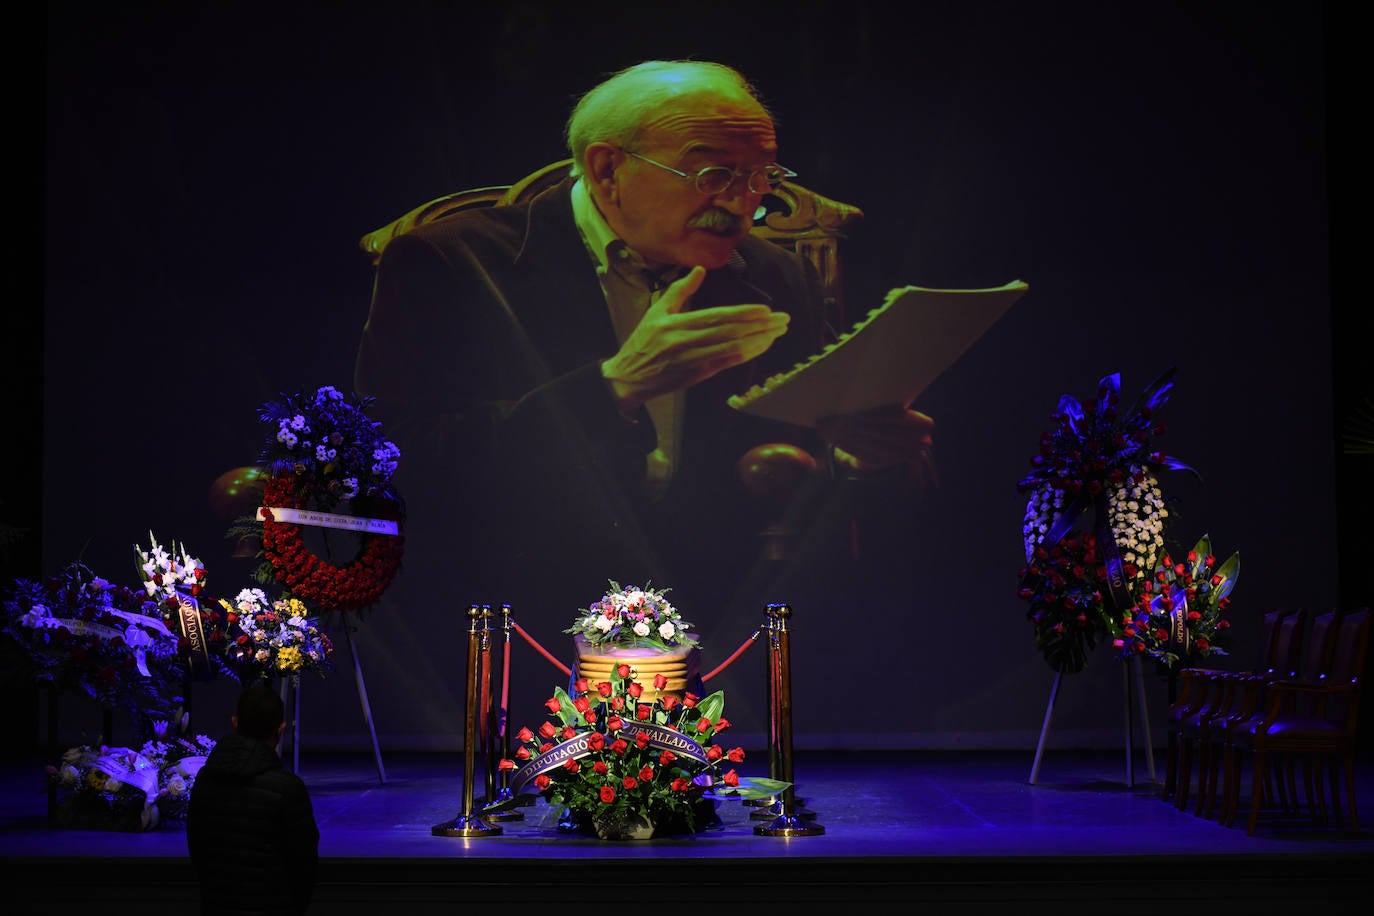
(250, 826)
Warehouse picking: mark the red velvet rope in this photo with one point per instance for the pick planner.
(568, 671)
(541, 650)
(736, 654)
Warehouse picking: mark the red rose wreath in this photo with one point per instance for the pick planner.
(323, 451)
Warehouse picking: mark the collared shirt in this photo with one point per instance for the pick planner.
(630, 287)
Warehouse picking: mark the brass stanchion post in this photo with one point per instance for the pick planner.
(770, 704)
(788, 823)
(498, 732)
(466, 823)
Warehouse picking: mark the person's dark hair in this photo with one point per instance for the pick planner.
(260, 713)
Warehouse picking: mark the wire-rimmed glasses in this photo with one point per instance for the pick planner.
(715, 179)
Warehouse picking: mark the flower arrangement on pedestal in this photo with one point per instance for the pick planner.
(323, 454)
(628, 761)
(633, 617)
(1094, 533)
(120, 788)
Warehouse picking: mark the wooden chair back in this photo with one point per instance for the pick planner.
(796, 218)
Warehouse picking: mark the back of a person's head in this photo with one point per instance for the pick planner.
(260, 713)
(616, 109)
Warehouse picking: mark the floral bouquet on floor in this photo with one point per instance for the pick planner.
(265, 639)
(119, 788)
(629, 762)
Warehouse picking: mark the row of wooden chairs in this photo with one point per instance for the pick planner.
(1295, 712)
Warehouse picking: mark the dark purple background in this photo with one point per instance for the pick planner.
(1156, 172)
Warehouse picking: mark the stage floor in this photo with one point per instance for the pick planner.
(963, 829)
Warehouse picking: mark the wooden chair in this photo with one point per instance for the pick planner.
(1208, 733)
(1313, 721)
(1272, 780)
(1203, 691)
(796, 218)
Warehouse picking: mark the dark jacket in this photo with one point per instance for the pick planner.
(483, 351)
(251, 832)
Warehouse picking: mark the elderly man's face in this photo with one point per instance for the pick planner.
(662, 215)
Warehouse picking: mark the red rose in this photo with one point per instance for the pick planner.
(642, 711)
(666, 758)
(615, 724)
(670, 702)
(572, 766)
(660, 681)
(547, 730)
(722, 724)
(635, 689)
(641, 740)
(522, 753)
(553, 704)
(524, 735)
(506, 764)
(568, 733)
(542, 781)
(600, 768)
(580, 685)
(604, 688)
(680, 785)
(607, 794)
(703, 725)
(715, 752)
(1202, 644)
(596, 741)
(646, 773)
(731, 778)
(629, 782)
(582, 704)
(736, 755)
(622, 670)
(619, 746)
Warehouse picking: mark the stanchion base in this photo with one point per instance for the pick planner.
(789, 826)
(507, 815)
(771, 801)
(775, 810)
(466, 826)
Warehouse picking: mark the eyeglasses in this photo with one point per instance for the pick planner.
(715, 179)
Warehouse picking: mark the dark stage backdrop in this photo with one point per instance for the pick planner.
(1155, 171)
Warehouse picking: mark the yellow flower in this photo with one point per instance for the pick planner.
(289, 658)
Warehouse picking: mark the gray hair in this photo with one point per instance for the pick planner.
(615, 110)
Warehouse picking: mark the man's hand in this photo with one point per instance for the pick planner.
(671, 350)
(879, 439)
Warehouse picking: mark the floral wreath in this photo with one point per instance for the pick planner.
(322, 452)
(1083, 579)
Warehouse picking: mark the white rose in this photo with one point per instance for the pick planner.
(642, 628)
(176, 786)
(667, 630)
(603, 623)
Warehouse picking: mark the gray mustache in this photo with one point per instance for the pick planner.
(717, 220)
